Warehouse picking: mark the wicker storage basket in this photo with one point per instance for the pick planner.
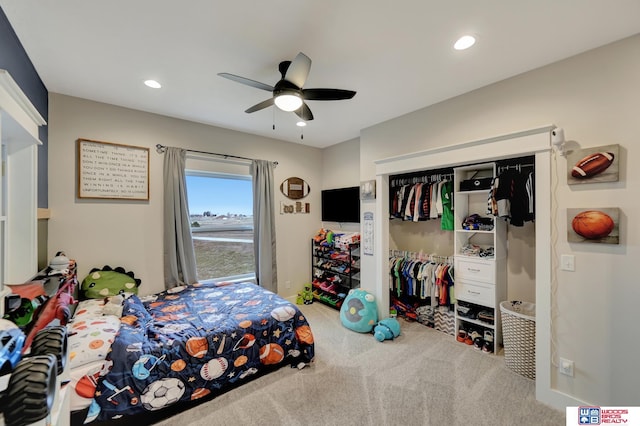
(519, 336)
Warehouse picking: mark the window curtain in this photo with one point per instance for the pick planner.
(179, 255)
(264, 229)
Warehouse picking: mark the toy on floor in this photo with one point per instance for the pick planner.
(359, 311)
(386, 329)
(305, 296)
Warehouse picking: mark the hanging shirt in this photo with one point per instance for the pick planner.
(446, 223)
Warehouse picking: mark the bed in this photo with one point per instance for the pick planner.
(180, 347)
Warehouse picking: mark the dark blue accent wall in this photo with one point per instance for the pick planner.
(14, 59)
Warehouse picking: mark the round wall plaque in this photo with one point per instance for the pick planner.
(294, 188)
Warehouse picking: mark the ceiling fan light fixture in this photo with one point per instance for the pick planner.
(288, 101)
(153, 84)
(464, 42)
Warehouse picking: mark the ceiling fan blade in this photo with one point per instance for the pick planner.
(327, 94)
(261, 105)
(246, 81)
(304, 112)
(298, 70)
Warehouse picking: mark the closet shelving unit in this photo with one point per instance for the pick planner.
(480, 282)
(334, 272)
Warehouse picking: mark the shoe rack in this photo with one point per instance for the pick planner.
(334, 272)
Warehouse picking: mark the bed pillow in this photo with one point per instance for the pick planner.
(88, 309)
(90, 338)
(108, 281)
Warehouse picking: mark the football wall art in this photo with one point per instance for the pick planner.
(594, 225)
(591, 165)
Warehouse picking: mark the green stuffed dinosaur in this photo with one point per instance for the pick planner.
(107, 282)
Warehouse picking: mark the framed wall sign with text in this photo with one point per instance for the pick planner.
(112, 171)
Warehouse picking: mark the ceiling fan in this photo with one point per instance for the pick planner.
(288, 93)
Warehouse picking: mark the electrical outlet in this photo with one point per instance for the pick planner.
(566, 367)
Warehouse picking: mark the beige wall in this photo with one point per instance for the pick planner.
(341, 169)
(594, 97)
(129, 234)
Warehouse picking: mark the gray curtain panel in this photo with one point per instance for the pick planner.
(179, 255)
(264, 229)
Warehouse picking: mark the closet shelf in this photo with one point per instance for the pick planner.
(475, 191)
(480, 280)
(477, 322)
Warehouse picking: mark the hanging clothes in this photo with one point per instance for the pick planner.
(421, 201)
(511, 197)
(447, 221)
(422, 278)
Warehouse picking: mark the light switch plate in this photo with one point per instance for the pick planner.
(568, 262)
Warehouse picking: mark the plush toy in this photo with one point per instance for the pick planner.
(388, 328)
(307, 295)
(359, 311)
(106, 282)
(328, 241)
(320, 236)
(113, 305)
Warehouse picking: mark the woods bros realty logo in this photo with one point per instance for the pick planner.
(603, 415)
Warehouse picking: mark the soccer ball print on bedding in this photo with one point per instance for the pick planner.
(162, 393)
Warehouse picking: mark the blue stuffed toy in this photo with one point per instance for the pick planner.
(359, 311)
(388, 328)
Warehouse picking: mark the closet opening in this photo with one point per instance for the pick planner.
(534, 143)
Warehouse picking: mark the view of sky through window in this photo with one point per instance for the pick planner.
(226, 196)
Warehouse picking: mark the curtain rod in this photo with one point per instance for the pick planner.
(160, 149)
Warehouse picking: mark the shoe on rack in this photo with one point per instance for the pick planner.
(332, 288)
(477, 340)
(488, 342)
(462, 335)
(469, 339)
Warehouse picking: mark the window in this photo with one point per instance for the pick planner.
(221, 216)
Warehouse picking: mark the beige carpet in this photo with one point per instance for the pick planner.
(424, 377)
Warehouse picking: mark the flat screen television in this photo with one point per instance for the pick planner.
(341, 205)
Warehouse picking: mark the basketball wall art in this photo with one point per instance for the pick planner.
(597, 225)
(592, 165)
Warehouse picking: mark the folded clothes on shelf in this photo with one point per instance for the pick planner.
(474, 250)
(477, 222)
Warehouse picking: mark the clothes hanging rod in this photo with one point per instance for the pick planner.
(160, 149)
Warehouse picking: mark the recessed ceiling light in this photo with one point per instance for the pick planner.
(153, 84)
(464, 42)
(301, 123)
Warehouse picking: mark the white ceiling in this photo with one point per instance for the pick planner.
(397, 56)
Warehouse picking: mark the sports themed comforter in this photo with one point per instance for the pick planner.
(195, 341)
